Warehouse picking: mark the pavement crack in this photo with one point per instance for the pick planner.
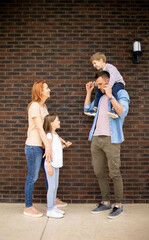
(44, 229)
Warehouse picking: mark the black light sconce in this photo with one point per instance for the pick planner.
(136, 51)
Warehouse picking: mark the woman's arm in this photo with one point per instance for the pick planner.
(39, 126)
(50, 169)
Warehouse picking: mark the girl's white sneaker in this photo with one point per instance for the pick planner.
(53, 214)
(59, 210)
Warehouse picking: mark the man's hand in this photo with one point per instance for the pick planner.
(90, 86)
(116, 105)
(89, 89)
(108, 91)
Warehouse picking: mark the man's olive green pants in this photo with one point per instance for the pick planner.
(104, 152)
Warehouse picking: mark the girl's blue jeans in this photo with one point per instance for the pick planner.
(35, 161)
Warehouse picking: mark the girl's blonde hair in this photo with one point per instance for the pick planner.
(97, 56)
(47, 122)
(37, 92)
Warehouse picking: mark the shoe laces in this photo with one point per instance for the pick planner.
(100, 204)
(115, 209)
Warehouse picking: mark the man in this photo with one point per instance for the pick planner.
(106, 135)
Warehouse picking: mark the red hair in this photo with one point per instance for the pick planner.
(37, 92)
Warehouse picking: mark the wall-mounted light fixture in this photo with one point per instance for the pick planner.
(136, 51)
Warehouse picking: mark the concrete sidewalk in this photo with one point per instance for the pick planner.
(78, 224)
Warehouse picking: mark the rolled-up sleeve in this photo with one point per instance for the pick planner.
(123, 99)
(89, 106)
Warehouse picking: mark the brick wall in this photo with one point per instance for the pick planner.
(54, 40)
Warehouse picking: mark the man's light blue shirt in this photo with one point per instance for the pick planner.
(116, 124)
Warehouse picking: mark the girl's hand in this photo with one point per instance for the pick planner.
(50, 170)
(68, 144)
(64, 145)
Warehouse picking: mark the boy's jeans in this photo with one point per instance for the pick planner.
(34, 155)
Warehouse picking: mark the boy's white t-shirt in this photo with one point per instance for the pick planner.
(57, 150)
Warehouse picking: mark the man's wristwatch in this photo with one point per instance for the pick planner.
(111, 98)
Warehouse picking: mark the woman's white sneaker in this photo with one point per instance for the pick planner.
(54, 214)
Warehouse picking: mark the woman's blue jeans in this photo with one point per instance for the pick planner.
(34, 155)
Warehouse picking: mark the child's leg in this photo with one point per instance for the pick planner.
(51, 197)
(56, 183)
(116, 87)
(98, 95)
(51, 194)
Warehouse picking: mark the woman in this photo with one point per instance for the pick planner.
(34, 151)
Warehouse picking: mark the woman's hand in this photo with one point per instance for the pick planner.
(50, 170)
(48, 154)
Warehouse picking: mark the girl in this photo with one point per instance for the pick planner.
(51, 123)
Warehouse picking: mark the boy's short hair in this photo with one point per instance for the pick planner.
(103, 74)
(97, 56)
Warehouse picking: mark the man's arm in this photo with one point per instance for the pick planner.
(117, 106)
(89, 89)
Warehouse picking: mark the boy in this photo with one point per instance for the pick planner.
(116, 81)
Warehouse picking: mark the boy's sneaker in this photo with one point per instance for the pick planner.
(90, 112)
(116, 212)
(112, 114)
(101, 207)
(53, 214)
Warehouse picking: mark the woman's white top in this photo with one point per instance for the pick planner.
(57, 150)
